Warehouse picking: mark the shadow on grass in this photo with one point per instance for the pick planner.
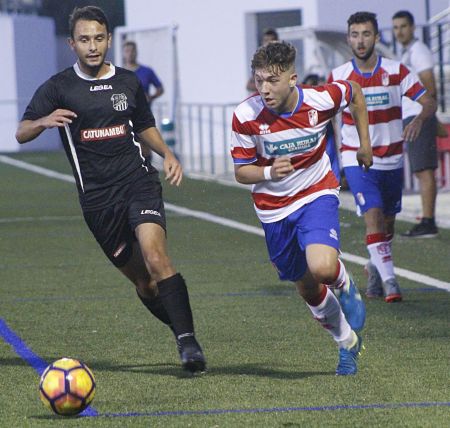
(174, 370)
(167, 369)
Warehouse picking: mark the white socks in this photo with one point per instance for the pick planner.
(330, 316)
(381, 255)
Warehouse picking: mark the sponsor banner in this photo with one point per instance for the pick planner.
(377, 99)
(97, 134)
(292, 146)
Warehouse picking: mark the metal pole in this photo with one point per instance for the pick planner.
(441, 68)
(191, 139)
(200, 136)
(211, 140)
(225, 139)
(426, 28)
(427, 10)
(394, 43)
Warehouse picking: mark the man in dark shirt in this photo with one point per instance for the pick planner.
(98, 109)
(148, 78)
(146, 75)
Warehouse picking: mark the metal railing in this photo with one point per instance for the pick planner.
(202, 136)
(203, 133)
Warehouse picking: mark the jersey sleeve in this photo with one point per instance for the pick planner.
(243, 148)
(142, 116)
(410, 84)
(154, 80)
(43, 102)
(341, 93)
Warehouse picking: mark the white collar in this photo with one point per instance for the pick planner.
(82, 75)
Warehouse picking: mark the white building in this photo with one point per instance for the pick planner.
(216, 39)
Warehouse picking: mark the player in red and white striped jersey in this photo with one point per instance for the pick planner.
(279, 141)
(378, 192)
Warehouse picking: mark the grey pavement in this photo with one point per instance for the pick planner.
(411, 207)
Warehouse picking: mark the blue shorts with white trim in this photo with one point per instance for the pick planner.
(376, 188)
(287, 239)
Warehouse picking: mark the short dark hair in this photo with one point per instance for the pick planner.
(312, 79)
(276, 56)
(362, 17)
(271, 32)
(130, 43)
(404, 14)
(87, 13)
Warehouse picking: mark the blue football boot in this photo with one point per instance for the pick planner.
(352, 305)
(347, 359)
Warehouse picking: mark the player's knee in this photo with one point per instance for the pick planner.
(158, 263)
(323, 270)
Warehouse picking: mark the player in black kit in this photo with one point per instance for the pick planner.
(99, 109)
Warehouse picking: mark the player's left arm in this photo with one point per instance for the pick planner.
(428, 82)
(158, 92)
(152, 139)
(412, 130)
(358, 109)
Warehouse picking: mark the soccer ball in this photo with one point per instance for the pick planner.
(67, 386)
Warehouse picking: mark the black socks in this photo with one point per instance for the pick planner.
(155, 306)
(174, 298)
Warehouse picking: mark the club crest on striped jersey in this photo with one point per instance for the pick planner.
(119, 102)
(385, 78)
(264, 129)
(313, 117)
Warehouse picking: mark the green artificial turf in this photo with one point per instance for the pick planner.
(270, 364)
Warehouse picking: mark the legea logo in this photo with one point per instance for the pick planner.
(151, 212)
(94, 88)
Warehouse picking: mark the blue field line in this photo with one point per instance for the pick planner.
(276, 410)
(250, 293)
(35, 361)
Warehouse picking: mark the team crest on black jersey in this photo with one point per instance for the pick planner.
(119, 102)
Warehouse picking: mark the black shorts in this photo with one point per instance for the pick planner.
(114, 227)
(422, 152)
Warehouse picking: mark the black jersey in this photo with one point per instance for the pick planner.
(100, 142)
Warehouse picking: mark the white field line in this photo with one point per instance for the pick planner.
(42, 218)
(413, 276)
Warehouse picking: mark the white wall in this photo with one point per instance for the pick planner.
(8, 87)
(337, 11)
(35, 49)
(27, 59)
(213, 63)
(212, 37)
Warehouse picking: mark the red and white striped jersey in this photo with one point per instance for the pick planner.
(260, 135)
(383, 90)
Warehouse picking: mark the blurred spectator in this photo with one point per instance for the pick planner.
(422, 152)
(269, 35)
(145, 74)
(313, 79)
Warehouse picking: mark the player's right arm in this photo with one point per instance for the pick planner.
(252, 174)
(29, 129)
